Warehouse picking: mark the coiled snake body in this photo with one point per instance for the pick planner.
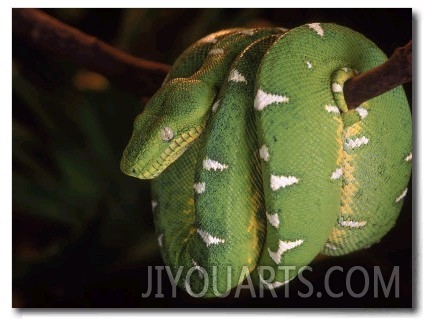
(257, 161)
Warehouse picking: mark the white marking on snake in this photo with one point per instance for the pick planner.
(199, 187)
(208, 238)
(215, 106)
(332, 109)
(402, 195)
(198, 268)
(283, 246)
(317, 27)
(408, 158)
(309, 65)
(362, 112)
(264, 153)
(274, 284)
(345, 70)
(160, 237)
(263, 99)
(216, 51)
(352, 224)
(336, 87)
(209, 164)
(236, 76)
(356, 142)
(154, 203)
(337, 173)
(331, 246)
(277, 182)
(273, 219)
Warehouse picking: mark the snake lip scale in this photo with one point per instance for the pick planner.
(258, 163)
(176, 146)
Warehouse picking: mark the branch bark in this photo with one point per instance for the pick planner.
(143, 77)
(396, 71)
(132, 74)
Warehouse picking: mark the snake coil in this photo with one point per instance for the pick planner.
(257, 162)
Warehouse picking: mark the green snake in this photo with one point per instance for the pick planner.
(258, 164)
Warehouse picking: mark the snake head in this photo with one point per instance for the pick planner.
(172, 120)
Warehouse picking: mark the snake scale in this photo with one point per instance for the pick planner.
(258, 164)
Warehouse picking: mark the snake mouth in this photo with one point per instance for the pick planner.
(176, 147)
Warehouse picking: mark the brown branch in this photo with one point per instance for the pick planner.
(143, 77)
(396, 71)
(132, 74)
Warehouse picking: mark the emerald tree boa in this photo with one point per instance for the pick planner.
(258, 164)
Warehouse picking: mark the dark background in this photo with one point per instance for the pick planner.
(82, 231)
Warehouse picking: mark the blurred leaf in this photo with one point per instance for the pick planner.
(122, 227)
(95, 138)
(31, 96)
(134, 23)
(80, 179)
(141, 251)
(23, 134)
(29, 197)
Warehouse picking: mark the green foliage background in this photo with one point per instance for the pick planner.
(82, 231)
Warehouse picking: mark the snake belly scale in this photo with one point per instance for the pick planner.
(257, 163)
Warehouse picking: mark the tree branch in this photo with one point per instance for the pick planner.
(396, 71)
(132, 74)
(143, 77)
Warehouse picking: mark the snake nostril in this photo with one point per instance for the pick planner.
(134, 171)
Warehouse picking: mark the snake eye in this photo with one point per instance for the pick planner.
(167, 134)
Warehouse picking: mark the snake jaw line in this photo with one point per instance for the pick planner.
(175, 148)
